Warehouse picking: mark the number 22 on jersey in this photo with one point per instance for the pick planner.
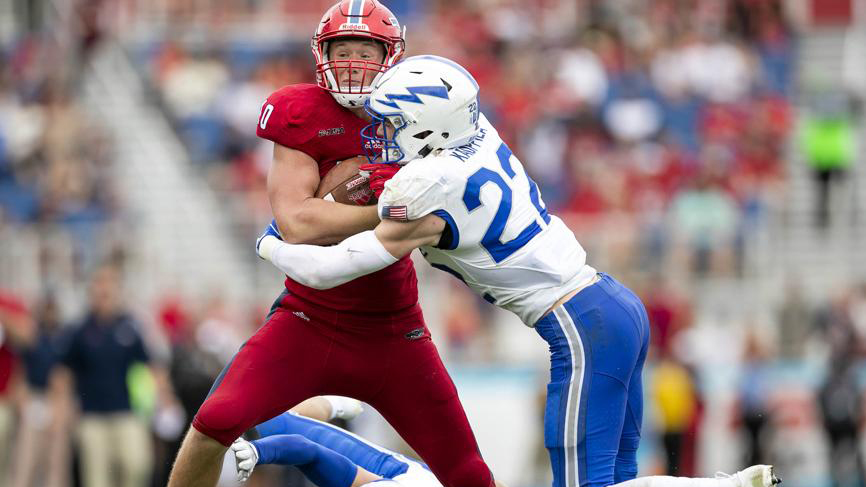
(492, 239)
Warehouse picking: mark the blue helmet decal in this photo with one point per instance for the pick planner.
(356, 8)
(412, 97)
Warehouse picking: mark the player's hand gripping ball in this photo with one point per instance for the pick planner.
(380, 173)
(346, 184)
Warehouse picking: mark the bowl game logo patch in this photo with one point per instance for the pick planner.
(415, 334)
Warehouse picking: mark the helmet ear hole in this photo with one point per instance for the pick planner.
(445, 135)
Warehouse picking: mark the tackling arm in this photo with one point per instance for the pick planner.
(358, 255)
(302, 218)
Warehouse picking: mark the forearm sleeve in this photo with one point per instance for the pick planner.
(324, 467)
(327, 267)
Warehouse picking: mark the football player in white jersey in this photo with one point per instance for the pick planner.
(330, 456)
(466, 202)
(333, 457)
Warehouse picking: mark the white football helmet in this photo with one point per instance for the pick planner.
(420, 105)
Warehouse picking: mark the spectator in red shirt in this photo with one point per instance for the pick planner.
(16, 330)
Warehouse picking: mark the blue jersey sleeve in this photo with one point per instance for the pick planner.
(369, 456)
(323, 466)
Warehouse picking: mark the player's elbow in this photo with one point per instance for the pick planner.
(296, 225)
(316, 282)
(308, 276)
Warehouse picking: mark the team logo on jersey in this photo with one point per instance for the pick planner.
(333, 131)
(399, 213)
(415, 334)
(370, 145)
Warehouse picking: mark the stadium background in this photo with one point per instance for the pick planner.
(709, 153)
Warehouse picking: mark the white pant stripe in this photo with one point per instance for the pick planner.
(575, 388)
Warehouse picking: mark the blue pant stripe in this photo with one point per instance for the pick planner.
(557, 398)
(568, 445)
(598, 342)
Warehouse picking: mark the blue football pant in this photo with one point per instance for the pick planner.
(598, 343)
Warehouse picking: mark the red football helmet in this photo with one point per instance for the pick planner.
(367, 19)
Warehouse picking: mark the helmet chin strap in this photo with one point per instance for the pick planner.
(394, 154)
(350, 100)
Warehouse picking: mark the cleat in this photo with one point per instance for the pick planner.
(754, 476)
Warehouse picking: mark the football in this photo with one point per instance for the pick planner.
(344, 184)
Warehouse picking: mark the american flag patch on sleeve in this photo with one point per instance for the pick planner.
(394, 213)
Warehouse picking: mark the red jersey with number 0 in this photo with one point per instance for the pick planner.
(305, 117)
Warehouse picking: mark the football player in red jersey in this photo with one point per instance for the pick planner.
(365, 339)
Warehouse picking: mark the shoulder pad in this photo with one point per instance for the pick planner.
(285, 114)
(420, 188)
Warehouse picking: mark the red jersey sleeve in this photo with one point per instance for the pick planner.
(284, 115)
(305, 117)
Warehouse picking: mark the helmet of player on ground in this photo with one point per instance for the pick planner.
(420, 105)
(361, 20)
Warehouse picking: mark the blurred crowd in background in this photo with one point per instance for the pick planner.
(653, 112)
(661, 131)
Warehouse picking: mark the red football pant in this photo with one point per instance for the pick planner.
(387, 361)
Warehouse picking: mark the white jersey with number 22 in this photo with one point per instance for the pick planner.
(500, 240)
